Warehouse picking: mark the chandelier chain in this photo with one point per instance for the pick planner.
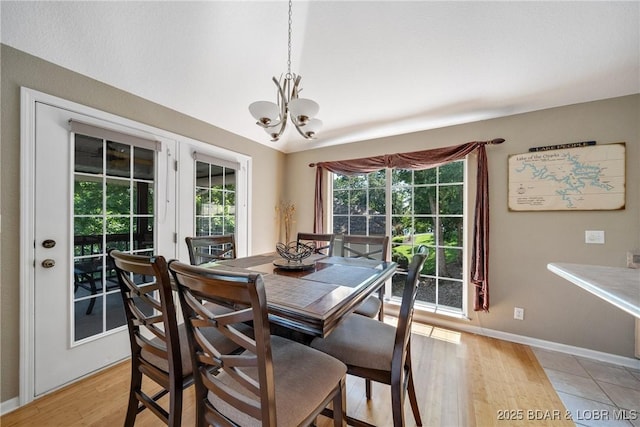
(289, 51)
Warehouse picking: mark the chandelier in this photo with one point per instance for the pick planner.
(272, 117)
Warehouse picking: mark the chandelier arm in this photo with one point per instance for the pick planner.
(282, 98)
(294, 94)
(275, 137)
(283, 111)
(301, 132)
(296, 83)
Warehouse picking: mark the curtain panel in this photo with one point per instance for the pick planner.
(427, 159)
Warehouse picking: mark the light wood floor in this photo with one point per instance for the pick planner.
(462, 380)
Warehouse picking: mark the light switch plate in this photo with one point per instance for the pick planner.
(594, 236)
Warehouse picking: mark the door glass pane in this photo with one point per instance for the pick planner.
(88, 229)
(118, 159)
(143, 164)
(143, 197)
(87, 190)
(88, 320)
(142, 233)
(88, 154)
(118, 200)
(111, 210)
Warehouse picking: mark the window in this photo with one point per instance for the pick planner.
(113, 208)
(215, 199)
(422, 210)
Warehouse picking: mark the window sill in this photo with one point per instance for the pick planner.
(392, 307)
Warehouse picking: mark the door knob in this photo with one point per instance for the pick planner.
(48, 263)
(48, 244)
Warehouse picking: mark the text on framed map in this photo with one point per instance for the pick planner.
(583, 178)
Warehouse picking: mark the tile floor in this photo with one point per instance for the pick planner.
(597, 393)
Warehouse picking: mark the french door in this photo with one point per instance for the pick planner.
(94, 181)
(91, 194)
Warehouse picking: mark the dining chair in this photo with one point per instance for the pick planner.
(274, 381)
(370, 247)
(323, 242)
(159, 345)
(378, 351)
(210, 248)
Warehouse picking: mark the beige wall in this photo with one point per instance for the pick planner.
(19, 69)
(522, 243)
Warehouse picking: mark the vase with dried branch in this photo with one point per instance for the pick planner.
(285, 213)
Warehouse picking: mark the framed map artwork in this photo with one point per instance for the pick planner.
(584, 178)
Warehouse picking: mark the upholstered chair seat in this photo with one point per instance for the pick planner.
(356, 343)
(298, 371)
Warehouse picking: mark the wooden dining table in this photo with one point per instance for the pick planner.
(314, 297)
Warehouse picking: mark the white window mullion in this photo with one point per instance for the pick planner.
(389, 224)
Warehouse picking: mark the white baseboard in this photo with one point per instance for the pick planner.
(9, 405)
(629, 362)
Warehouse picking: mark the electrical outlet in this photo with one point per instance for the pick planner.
(518, 313)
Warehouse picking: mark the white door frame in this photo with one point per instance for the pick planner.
(29, 98)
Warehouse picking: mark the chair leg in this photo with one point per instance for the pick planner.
(175, 406)
(413, 399)
(134, 388)
(397, 404)
(339, 406)
(367, 388)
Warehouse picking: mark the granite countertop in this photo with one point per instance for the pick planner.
(617, 285)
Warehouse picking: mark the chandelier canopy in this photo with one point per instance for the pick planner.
(272, 117)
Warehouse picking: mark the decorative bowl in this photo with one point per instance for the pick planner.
(295, 252)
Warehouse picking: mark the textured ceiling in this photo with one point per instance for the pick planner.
(376, 68)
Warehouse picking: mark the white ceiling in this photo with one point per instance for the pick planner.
(377, 68)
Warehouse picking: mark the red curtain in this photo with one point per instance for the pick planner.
(427, 159)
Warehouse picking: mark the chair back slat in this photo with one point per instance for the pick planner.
(210, 248)
(231, 386)
(370, 247)
(323, 242)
